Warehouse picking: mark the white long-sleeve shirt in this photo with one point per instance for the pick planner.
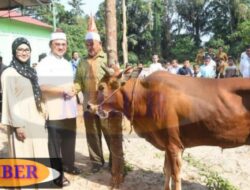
(245, 65)
(55, 71)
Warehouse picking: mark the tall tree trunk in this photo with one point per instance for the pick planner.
(111, 31)
(115, 132)
(157, 27)
(197, 33)
(167, 30)
(124, 34)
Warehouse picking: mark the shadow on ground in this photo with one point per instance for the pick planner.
(138, 178)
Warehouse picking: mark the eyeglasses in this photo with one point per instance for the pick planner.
(20, 50)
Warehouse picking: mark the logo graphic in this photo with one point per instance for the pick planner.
(25, 173)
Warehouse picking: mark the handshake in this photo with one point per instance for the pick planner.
(69, 92)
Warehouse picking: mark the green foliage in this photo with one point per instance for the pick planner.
(128, 168)
(195, 16)
(215, 182)
(132, 58)
(242, 33)
(170, 28)
(139, 24)
(76, 7)
(157, 25)
(212, 179)
(184, 48)
(226, 15)
(240, 39)
(75, 37)
(216, 43)
(69, 21)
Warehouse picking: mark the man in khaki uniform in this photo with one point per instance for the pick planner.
(88, 75)
(221, 55)
(200, 56)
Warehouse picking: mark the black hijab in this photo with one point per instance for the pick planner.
(24, 69)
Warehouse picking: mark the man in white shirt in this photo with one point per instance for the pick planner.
(155, 66)
(56, 81)
(207, 70)
(245, 63)
(174, 67)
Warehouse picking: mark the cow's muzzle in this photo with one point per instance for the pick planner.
(96, 109)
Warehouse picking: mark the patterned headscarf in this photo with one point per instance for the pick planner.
(24, 69)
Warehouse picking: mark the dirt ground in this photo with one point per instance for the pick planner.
(145, 165)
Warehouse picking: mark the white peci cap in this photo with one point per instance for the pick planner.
(92, 36)
(58, 36)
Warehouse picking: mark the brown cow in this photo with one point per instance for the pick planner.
(174, 112)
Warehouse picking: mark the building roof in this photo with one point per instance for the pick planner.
(10, 4)
(14, 15)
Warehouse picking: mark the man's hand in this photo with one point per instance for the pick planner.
(69, 92)
(20, 134)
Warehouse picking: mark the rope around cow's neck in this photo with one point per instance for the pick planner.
(106, 99)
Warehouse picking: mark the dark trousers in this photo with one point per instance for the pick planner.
(112, 131)
(62, 139)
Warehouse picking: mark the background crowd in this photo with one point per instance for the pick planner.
(208, 64)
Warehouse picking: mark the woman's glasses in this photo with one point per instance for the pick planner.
(21, 50)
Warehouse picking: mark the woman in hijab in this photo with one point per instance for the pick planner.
(22, 107)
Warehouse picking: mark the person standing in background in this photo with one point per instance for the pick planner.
(200, 56)
(207, 70)
(231, 69)
(185, 70)
(245, 63)
(155, 65)
(221, 55)
(75, 61)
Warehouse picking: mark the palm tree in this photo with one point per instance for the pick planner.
(76, 4)
(194, 14)
(227, 14)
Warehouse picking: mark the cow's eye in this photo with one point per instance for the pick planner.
(101, 87)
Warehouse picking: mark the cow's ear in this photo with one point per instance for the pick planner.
(129, 69)
(123, 83)
(126, 72)
(119, 75)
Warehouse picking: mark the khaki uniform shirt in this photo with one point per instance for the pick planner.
(88, 75)
(222, 56)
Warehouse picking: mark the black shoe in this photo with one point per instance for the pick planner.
(65, 182)
(62, 182)
(96, 168)
(72, 170)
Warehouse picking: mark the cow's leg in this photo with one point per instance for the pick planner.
(167, 172)
(174, 157)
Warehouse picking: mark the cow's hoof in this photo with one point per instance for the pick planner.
(116, 181)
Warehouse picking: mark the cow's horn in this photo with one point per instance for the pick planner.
(108, 71)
